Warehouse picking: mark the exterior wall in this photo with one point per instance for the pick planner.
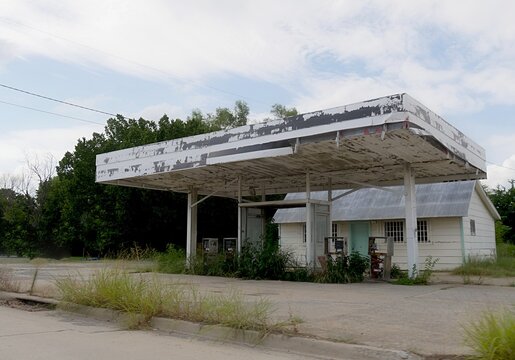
(291, 238)
(444, 243)
(483, 243)
(444, 238)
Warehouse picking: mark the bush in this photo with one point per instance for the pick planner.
(266, 262)
(344, 269)
(492, 336)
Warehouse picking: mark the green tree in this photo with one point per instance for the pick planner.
(504, 201)
(280, 111)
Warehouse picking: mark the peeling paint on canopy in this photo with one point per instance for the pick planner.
(363, 142)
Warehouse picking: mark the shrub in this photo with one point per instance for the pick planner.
(492, 336)
(344, 269)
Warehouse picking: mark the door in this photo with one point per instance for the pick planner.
(359, 233)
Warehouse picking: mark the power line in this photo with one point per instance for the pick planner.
(505, 167)
(51, 113)
(197, 83)
(57, 100)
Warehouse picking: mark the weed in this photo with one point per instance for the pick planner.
(502, 266)
(7, 282)
(419, 278)
(143, 298)
(38, 263)
(172, 261)
(492, 336)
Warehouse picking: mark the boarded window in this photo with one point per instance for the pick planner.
(304, 232)
(473, 227)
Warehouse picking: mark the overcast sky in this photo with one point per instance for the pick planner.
(147, 58)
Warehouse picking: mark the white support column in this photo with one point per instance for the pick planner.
(411, 219)
(310, 253)
(240, 228)
(191, 226)
(330, 200)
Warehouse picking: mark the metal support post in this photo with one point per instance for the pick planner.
(411, 219)
(240, 228)
(310, 251)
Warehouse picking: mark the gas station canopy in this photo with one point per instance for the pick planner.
(363, 143)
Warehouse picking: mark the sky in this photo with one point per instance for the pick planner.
(149, 58)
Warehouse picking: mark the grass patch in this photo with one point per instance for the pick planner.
(143, 298)
(503, 266)
(492, 336)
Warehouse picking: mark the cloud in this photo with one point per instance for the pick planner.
(448, 52)
(499, 175)
(15, 146)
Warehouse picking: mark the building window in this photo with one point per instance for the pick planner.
(473, 227)
(395, 230)
(334, 230)
(422, 231)
(304, 232)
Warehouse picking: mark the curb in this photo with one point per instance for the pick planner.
(279, 342)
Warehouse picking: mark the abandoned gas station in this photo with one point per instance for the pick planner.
(393, 140)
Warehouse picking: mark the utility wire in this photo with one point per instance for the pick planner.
(505, 167)
(56, 100)
(51, 113)
(197, 83)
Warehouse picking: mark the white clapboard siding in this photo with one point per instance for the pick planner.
(482, 244)
(291, 238)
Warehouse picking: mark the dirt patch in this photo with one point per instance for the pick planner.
(27, 305)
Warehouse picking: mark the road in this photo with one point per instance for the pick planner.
(57, 335)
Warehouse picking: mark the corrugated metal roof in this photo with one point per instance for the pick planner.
(433, 200)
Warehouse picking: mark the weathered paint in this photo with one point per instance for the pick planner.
(368, 142)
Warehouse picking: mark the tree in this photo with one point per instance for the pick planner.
(280, 111)
(504, 201)
(227, 119)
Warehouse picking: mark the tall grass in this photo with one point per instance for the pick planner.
(136, 295)
(7, 282)
(502, 266)
(492, 337)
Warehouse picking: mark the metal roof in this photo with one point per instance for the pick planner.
(450, 199)
(366, 142)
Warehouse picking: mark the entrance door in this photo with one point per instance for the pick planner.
(359, 233)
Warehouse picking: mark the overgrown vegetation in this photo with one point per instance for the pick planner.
(144, 298)
(492, 336)
(419, 277)
(71, 215)
(344, 269)
(502, 266)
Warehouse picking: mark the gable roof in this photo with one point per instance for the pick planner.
(451, 199)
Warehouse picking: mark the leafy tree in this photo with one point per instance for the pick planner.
(224, 118)
(280, 111)
(504, 201)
